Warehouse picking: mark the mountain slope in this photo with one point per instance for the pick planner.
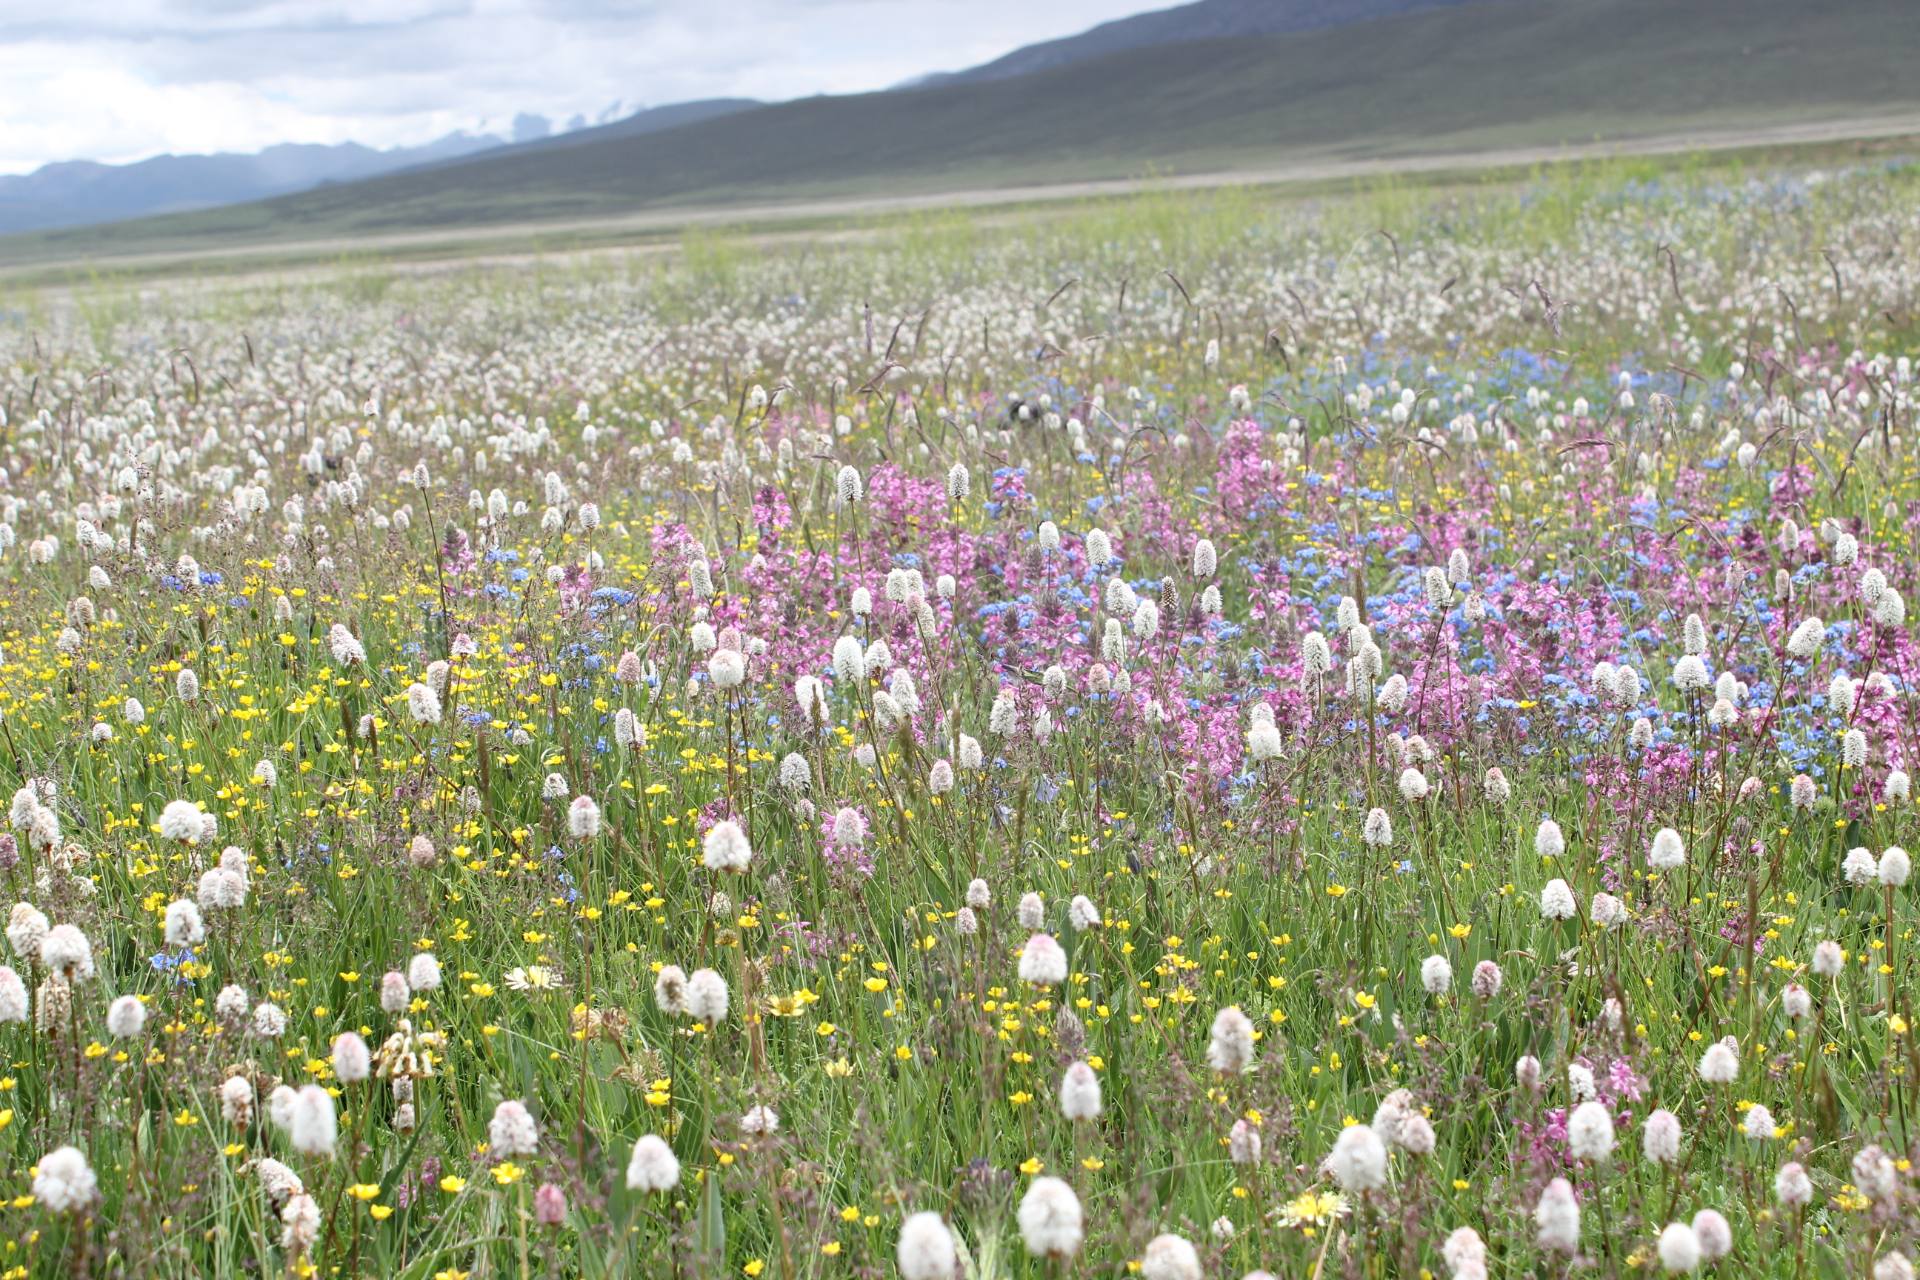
(78, 192)
(1493, 73)
(1202, 20)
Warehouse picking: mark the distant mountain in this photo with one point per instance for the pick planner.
(1203, 20)
(78, 192)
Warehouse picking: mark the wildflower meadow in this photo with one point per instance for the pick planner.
(1185, 736)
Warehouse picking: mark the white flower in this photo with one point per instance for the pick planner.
(1413, 786)
(1828, 959)
(1556, 901)
(1791, 1185)
(1606, 911)
(1079, 1093)
(1032, 911)
(583, 818)
(63, 1182)
(423, 704)
(1679, 1248)
(423, 971)
(184, 925)
(1667, 850)
(1874, 1173)
(1168, 1257)
(727, 669)
(725, 847)
(1082, 914)
(1378, 831)
(352, 1062)
(1807, 638)
(1759, 1123)
(1590, 1132)
(15, 1005)
(1720, 1064)
(126, 1017)
(1465, 1254)
(1895, 867)
(1893, 1266)
(66, 951)
(1436, 975)
(1556, 1219)
(1859, 868)
(926, 1249)
(1050, 1219)
(1230, 1048)
(512, 1131)
(1660, 1137)
(1243, 1143)
(1042, 962)
(181, 820)
(706, 999)
(1359, 1159)
(760, 1121)
(653, 1166)
(312, 1127)
(1548, 842)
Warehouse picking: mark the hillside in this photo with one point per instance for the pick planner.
(1494, 73)
(77, 192)
(1185, 24)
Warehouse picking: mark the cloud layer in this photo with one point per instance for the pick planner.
(117, 80)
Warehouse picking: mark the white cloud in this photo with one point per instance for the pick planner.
(118, 80)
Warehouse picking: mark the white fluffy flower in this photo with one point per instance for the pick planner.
(1230, 1047)
(653, 1166)
(1043, 962)
(126, 1017)
(1359, 1159)
(1660, 1137)
(1169, 1257)
(63, 1182)
(926, 1249)
(1080, 1092)
(512, 1131)
(1050, 1219)
(1556, 1219)
(725, 847)
(1679, 1248)
(1590, 1132)
(181, 820)
(706, 999)
(1436, 974)
(312, 1126)
(1720, 1064)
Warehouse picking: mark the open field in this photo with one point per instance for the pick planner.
(1723, 152)
(1182, 734)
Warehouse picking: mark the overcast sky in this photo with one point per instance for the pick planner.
(118, 80)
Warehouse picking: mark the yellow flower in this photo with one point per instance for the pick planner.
(506, 1173)
(1031, 1166)
(453, 1186)
(380, 1212)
